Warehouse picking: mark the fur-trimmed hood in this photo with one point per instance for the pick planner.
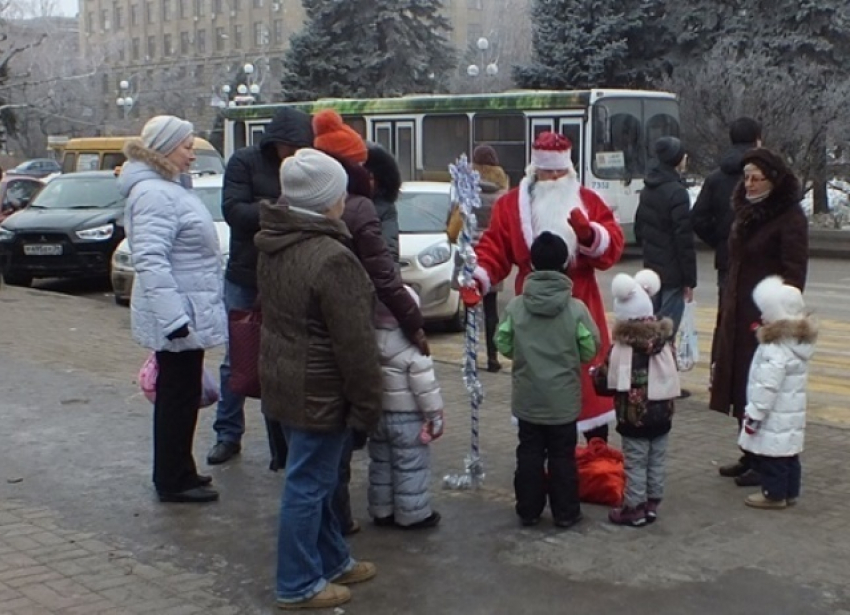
(493, 174)
(134, 150)
(144, 164)
(749, 216)
(792, 331)
(648, 335)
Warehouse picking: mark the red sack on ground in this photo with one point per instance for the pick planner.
(244, 350)
(601, 473)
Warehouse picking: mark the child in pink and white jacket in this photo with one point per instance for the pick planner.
(399, 451)
(775, 414)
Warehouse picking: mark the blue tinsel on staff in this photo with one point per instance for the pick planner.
(465, 192)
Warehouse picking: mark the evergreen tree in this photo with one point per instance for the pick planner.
(368, 48)
(587, 43)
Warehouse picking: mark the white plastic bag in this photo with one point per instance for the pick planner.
(687, 341)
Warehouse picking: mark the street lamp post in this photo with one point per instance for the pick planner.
(125, 98)
(490, 69)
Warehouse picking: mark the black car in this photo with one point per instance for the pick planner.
(69, 230)
(37, 167)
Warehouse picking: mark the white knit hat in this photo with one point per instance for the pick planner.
(312, 180)
(778, 301)
(163, 133)
(632, 295)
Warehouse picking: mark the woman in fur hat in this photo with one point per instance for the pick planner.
(775, 415)
(770, 236)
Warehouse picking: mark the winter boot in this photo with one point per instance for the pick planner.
(627, 515)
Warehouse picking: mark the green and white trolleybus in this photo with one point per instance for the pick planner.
(612, 132)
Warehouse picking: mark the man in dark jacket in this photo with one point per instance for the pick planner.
(663, 229)
(252, 175)
(712, 214)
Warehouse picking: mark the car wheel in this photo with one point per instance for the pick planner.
(457, 323)
(121, 300)
(17, 279)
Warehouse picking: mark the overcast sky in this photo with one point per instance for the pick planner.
(67, 7)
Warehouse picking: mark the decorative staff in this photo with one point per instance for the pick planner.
(465, 190)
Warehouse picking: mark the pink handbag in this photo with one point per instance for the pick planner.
(147, 382)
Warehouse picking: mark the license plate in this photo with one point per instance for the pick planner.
(43, 249)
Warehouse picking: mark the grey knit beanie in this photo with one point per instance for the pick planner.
(164, 133)
(312, 180)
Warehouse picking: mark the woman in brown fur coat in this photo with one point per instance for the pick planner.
(770, 236)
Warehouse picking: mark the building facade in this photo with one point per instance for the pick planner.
(177, 56)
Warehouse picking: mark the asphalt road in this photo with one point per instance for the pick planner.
(827, 290)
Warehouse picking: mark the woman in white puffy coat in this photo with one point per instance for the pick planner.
(775, 414)
(400, 458)
(176, 307)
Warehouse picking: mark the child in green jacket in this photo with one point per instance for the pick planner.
(548, 334)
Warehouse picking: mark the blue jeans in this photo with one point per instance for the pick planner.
(230, 413)
(670, 302)
(310, 548)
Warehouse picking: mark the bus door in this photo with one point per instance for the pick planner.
(398, 137)
(570, 127)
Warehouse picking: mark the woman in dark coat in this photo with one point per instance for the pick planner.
(770, 236)
(385, 178)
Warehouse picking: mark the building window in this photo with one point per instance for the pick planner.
(122, 55)
(261, 39)
(89, 22)
(278, 31)
(136, 51)
(220, 37)
(184, 43)
(216, 7)
(151, 52)
(105, 83)
(166, 10)
(119, 17)
(200, 8)
(199, 74)
(201, 41)
(235, 5)
(166, 45)
(134, 14)
(104, 19)
(237, 36)
(258, 4)
(150, 11)
(183, 8)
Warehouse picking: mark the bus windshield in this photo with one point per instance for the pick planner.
(624, 130)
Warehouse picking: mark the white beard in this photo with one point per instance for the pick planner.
(551, 204)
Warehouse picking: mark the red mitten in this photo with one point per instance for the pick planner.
(581, 225)
(470, 295)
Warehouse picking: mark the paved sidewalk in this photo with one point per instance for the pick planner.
(80, 531)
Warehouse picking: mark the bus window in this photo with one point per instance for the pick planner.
(444, 139)
(661, 120)
(69, 162)
(358, 123)
(88, 162)
(504, 132)
(618, 145)
(207, 161)
(110, 161)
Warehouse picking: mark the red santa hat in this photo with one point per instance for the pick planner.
(551, 151)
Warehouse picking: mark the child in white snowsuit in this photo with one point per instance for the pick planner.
(400, 457)
(775, 414)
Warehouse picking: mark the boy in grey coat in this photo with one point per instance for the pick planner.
(400, 458)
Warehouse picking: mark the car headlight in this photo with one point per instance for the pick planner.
(98, 233)
(123, 258)
(6, 235)
(435, 255)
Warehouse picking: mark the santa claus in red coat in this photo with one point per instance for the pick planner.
(550, 198)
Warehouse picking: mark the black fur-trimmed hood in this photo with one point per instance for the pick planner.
(645, 335)
(786, 194)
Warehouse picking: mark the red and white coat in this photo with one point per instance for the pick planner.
(507, 242)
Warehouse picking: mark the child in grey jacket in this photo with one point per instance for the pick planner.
(400, 458)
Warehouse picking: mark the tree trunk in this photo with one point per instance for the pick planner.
(819, 178)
